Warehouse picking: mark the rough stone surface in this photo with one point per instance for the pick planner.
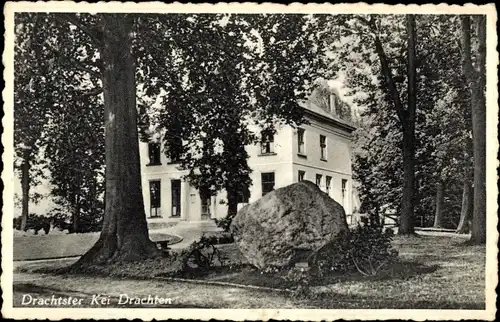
(274, 229)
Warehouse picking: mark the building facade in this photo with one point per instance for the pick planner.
(318, 151)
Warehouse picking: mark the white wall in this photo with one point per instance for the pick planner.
(284, 162)
(336, 165)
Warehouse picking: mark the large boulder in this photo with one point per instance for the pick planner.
(272, 231)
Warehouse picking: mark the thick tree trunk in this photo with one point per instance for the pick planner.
(476, 76)
(25, 181)
(124, 236)
(406, 225)
(466, 212)
(438, 215)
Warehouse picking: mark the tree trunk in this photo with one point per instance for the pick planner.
(232, 202)
(405, 116)
(25, 180)
(406, 225)
(76, 214)
(438, 216)
(124, 236)
(476, 79)
(467, 206)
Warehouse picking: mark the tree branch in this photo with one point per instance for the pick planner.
(81, 66)
(400, 111)
(93, 92)
(93, 33)
(390, 81)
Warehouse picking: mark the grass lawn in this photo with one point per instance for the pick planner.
(448, 274)
(54, 246)
(435, 272)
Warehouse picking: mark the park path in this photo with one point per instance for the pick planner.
(53, 246)
(189, 231)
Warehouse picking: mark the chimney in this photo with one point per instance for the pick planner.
(331, 104)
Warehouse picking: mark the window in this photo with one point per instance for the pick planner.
(205, 202)
(267, 181)
(322, 144)
(267, 144)
(328, 184)
(302, 175)
(176, 197)
(155, 198)
(318, 180)
(301, 141)
(154, 153)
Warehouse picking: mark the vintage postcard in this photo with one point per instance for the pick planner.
(249, 161)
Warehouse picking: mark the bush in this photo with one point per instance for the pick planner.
(35, 222)
(367, 249)
(200, 255)
(221, 238)
(87, 221)
(225, 223)
(301, 278)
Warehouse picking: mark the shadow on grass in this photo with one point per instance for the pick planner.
(249, 275)
(401, 270)
(243, 274)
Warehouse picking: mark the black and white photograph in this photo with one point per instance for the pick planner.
(309, 161)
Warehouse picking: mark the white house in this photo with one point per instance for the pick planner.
(319, 151)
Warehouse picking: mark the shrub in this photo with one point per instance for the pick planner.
(225, 223)
(221, 238)
(202, 254)
(367, 249)
(35, 222)
(87, 221)
(301, 278)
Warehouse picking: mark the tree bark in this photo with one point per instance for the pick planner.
(76, 214)
(406, 225)
(124, 236)
(25, 173)
(232, 202)
(467, 206)
(476, 77)
(438, 216)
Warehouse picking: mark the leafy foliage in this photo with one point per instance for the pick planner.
(442, 147)
(35, 222)
(62, 120)
(225, 223)
(254, 59)
(201, 255)
(366, 249)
